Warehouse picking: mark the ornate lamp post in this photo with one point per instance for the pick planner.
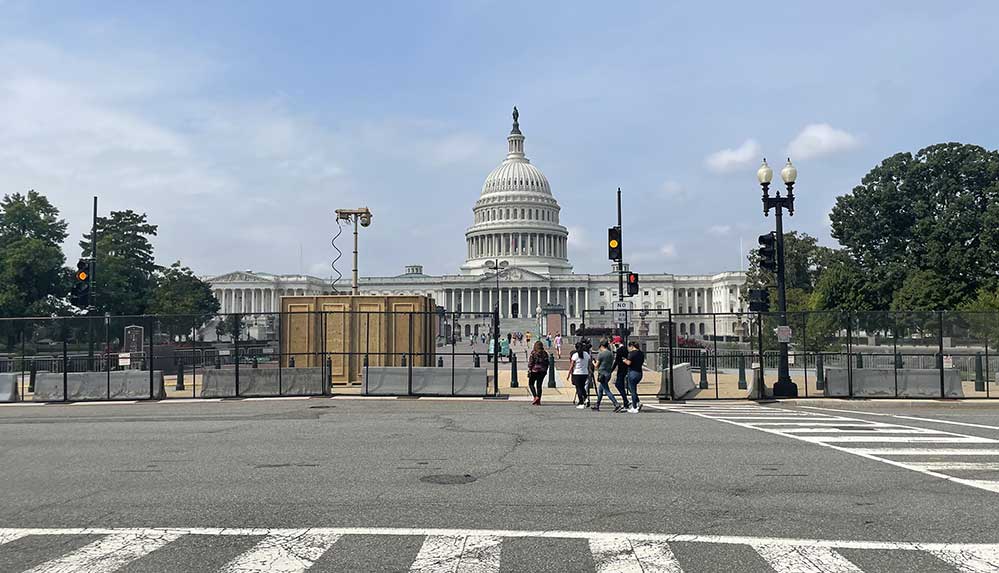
(784, 386)
(497, 267)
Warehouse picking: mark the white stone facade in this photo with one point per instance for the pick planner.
(516, 219)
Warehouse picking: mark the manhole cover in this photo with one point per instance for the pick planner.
(448, 479)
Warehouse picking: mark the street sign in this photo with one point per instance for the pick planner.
(783, 334)
(621, 308)
(948, 361)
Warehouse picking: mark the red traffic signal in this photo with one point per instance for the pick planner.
(632, 284)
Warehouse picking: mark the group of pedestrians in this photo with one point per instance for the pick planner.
(613, 360)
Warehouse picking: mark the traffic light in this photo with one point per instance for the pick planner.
(614, 243)
(79, 296)
(768, 252)
(632, 284)
(759, 300)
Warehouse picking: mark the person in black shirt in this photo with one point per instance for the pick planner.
(635, 360)
(621, 371)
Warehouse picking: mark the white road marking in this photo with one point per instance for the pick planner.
(188, 400)
(901, 417)
(969, 561)
(108, 553)
(621, 555)
(957, 466)
(289, 552)
(901, 439)
(925, 452)
(8, 536)
(458, 554)
(275, 398)
(22, 404)
(831, 442)
(104, 403)
(786, 559)
(867, 430)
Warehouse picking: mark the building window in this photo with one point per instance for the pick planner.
(646, 293)
(659, 293)
(702, 329)
(601, 293)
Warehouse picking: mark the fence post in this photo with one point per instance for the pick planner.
(409, 362)
(860, 360)
(742, 372)
(849, 352)
(941, 337)
(820, 372)
(238, 321)
(551, 371)
(979, 375)
(759, 334)
(151, 361)
(513, 370)
(180, 376)
(703, 383)
(65, 369)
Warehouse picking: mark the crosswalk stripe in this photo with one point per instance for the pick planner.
(868, 430)
(925, 452)
(956, 466)
(8, 536)
(969, 560)
(108, 553)
(621, 555)
(785, 559)
(290, 552)
(901, 439)
(458, 554)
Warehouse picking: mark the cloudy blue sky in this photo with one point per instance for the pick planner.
(239, 126)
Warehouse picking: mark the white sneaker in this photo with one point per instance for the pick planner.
(580, 407)
(632, 410)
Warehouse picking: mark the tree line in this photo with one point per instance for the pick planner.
(35, 281)
(919, 233)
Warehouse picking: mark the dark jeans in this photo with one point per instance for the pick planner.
(602, 388)
(579, 381)
(621, 384)
(535, 378)
(634, 377)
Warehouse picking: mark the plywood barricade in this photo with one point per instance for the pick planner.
(346, 330)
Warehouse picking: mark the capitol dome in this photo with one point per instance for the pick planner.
(516, 218)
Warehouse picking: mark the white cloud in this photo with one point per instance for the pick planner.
(728, 160)
(668, 251)
(672, 190)
(820, 139)
(720, 230)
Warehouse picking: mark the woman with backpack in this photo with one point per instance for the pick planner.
(580, 363)
(537, 366)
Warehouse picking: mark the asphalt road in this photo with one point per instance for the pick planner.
(494, 485)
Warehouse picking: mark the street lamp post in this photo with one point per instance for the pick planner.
(784, 387)
(496, 266)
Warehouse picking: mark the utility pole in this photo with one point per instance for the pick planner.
(92, 310)
(620, 263)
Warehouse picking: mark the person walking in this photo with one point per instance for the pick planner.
(621, 378)
(635, 360)
(605, 364)
(580, 363)
(537, 367)
(558, 345)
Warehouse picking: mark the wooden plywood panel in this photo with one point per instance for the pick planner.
(336, 319)
(401, 330)
(300, 333)
(371, 341)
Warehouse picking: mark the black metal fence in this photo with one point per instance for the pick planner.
(688, 356)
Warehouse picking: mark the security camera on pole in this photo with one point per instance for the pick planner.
(360, 216)
(784, 386)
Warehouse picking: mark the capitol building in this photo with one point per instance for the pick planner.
(515, 219)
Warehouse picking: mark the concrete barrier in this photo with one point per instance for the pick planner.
(8, 388)
(88, 386)
(683, 380)
(880, 383)
(394, 381)
(262, 382)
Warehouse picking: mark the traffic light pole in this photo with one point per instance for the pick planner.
(93, 291)
(620, 263)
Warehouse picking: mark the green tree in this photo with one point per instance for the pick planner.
(32, 273)
(935, 211)
(186, 298)
(125, 271)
